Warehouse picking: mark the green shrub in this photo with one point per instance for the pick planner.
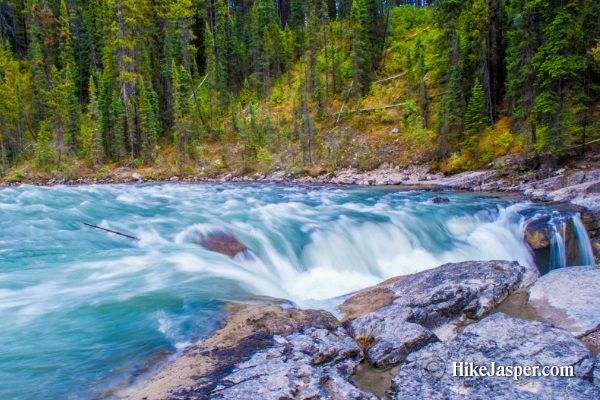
(499, 166)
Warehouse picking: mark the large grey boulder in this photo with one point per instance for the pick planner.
(506, 341)
(264, 352)
(402, 315)
(569, 298)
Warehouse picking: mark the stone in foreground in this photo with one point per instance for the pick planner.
(507, 341)
(393, 319)
(569, 298)
(265, 352)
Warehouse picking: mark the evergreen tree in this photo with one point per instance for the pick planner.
(57, 99)
(39, 78)
(475, 118)
(366, 43)
(96, 150)
(118, 128)
(523, 41)
(559, 69)
(67, 66)
(450, 117)
(148, 118)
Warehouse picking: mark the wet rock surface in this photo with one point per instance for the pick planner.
(428, 305)
(264, 352)
(506, 341)
(223, 243)
(569, 298)
(219, 241)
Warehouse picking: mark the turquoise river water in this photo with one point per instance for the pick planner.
(82, 310)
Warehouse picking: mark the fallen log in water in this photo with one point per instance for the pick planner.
(111, 231)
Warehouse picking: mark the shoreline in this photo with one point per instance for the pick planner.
(284, 350)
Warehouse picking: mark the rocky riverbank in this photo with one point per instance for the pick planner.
(399, 339)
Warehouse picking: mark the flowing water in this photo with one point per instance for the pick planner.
(81, 308)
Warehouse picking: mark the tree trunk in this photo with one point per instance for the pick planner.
(584, 128)
(3, 157)
(326, 62)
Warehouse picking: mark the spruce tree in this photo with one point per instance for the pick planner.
(559, 70)
(96, 150)
(118, 128)
(66, 63)
(37, 68)
(57, 99)
(523, 40)
(475, 118)
(148, 119)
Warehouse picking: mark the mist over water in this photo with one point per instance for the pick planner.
(80, 307)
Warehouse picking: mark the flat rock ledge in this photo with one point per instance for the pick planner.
(569, 298)
(418, 325)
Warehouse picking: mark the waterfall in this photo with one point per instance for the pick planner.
(586, 253)
(558, 251)
(557, 238)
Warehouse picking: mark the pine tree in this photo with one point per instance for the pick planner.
(118, 128)
(367, 40)
(96, 150)
(9, 111)
(523, 41)
(66, 63)
(39, 78)
(475, 119)
(148, 119)
(57, 99)
(559, 69)
(178, 128)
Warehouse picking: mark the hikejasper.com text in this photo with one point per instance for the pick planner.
(469, 369)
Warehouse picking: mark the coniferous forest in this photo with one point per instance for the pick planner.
(207, 86)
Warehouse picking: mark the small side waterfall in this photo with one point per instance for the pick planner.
(586, 253)
(558, 251)
(557, 239)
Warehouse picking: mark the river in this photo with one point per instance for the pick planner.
(83, 310)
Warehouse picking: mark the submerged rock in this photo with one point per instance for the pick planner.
(222, 242)
(437, 200)
(506, 341)
(402, 315)
(264, 352)
(569, 298)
